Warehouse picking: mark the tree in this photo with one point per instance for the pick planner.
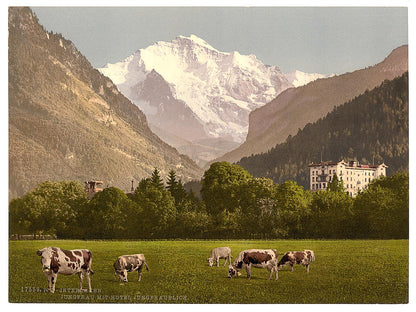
(382, 211)
(72, 199)
(220, 187)
(331, 215)
(18, 217)
(159, 209)
(52, 207)
(111, 214)
(335, 185)
(257, 206)
(176, 189)
(192, 224)
(156, 179)
(292, 208)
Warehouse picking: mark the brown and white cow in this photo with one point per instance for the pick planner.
(66, 262)
(129, 263)
(220, 253)
(258, 258)
(304, 258)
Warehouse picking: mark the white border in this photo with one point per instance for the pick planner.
(240, 3)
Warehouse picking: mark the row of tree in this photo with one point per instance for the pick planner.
(233, 204)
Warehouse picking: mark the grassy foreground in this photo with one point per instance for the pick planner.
(345, 271)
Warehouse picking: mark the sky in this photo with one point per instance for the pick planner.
(310, 39)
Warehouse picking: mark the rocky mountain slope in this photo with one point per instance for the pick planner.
(192, 91)
(294, 108)
(67, 121)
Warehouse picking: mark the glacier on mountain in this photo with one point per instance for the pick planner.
(299, 78)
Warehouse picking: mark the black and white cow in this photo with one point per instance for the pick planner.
(304, 258)
(129, 263)
(66, 262)
(220, 253)
(258, 258)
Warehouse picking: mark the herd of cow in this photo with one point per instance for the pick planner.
(68, 262)
(260, 258)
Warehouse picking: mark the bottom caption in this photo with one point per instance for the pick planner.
(127, 298)
(96, 295)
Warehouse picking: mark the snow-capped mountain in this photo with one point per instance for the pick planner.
(299, 78)
(193, 91)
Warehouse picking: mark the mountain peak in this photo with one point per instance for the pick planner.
(197, 40)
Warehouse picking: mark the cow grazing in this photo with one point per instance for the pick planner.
(129, 263)
(66, 262)
(220, 253)
(297, 257)
(258, 258)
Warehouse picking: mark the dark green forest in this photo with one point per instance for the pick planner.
(373, 127)
(233, 204)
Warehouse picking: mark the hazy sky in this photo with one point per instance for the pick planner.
(311, 39)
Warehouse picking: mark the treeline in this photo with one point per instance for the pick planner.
(374, 125)
(233, 204)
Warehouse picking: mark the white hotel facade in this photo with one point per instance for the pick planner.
(356, 177)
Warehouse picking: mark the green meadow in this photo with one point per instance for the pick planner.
(345, 271)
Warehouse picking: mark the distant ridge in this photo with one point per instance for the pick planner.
(295, 107)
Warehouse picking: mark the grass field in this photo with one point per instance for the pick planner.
(345, 271)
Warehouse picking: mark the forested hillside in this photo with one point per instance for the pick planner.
(372, 127)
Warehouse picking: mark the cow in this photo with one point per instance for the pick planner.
(258, 258)
(304, 258)
(66, 262)
(220, 253)
(129, 263)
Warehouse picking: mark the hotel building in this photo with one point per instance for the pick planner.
(356, 177)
